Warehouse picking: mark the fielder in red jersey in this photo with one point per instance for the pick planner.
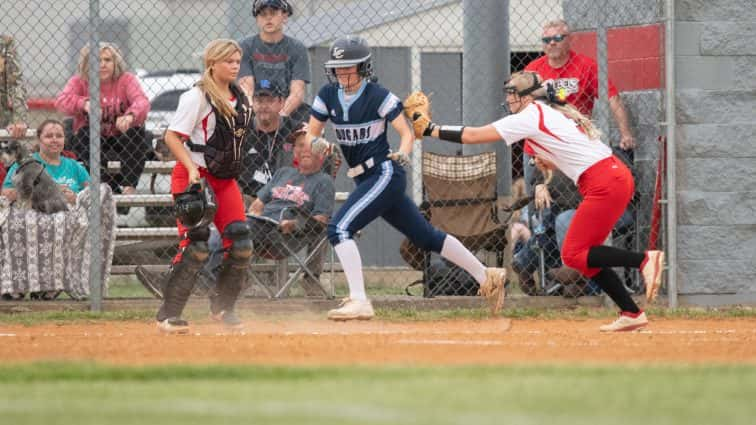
(560, 137)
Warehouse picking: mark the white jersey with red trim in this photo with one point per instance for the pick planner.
(194, 119)
(553, 137)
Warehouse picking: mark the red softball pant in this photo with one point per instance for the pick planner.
(227, 195)
(607, 187)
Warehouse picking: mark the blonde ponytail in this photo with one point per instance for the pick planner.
(581, 120)
(216, 51)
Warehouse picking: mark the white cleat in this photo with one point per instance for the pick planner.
(651, 272)
(352, 310)
(626, 322)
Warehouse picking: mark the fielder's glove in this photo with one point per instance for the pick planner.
(417, 108)
(400, 157)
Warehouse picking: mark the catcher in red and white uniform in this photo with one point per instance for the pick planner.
(561, 137)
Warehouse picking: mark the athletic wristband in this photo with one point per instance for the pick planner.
(451, 133)
(429, 130)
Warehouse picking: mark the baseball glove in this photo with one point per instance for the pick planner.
(417, 108)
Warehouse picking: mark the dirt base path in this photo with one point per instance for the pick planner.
(314, 341)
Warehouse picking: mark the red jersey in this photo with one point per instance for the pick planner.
(578, 79)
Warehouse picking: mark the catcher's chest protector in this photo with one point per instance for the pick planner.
(224, 149)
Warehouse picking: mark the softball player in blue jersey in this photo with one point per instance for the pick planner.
(360, 111)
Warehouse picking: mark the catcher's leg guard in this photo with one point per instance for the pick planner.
(178, 284)
(234, 268)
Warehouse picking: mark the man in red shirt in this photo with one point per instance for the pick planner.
(575, 77)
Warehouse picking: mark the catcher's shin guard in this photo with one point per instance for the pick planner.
(234, 268)
(178, 284)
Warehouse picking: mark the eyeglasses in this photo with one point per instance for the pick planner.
(557, 38)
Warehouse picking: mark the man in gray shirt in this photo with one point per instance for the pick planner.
(272, 55)
(293, 208)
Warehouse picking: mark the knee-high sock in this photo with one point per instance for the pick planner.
(454, 251)
(350, 259)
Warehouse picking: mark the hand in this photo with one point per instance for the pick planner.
(194, 175)
(543, 164)
(288, 226)
(422, 125)
(320, 146)
(86, 106)
(69, 194)
(247, 84)
(336, 162)
(542, 197)
(17, 130)
(9, 194)
(627, 142)
(123, 123)
(400, 157)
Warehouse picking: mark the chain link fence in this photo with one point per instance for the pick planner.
(468, 191)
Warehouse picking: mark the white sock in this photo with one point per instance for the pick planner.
(454, 251)
(351, 262)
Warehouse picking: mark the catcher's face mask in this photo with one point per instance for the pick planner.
(196, 206)
(514, 94)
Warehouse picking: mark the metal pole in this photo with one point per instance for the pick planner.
(603, 79)
(95, 220)
(417, 148)
(669, 58)
(485, 67)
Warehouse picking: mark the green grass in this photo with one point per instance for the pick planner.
(84, 394)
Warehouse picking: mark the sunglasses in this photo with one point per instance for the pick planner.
(557, 38)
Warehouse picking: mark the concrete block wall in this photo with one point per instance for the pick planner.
(715, 61)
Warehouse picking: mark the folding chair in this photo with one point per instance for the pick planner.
(460, 199)
(271, 243)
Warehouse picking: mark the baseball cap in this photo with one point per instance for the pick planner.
(268, 88)
(283, 5)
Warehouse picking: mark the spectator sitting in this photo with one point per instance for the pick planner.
(271, 55)
(293, 193)
(69, 174)
(124, 109)
(554, 193)
(267, 146)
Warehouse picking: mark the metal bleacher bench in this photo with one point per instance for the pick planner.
(150, 167)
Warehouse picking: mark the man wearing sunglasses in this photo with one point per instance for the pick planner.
(575, 77)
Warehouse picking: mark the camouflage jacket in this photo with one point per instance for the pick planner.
(12, 91)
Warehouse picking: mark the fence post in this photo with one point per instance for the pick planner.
(485, 66)
(95, 219)
(603, 75)
(670, 118)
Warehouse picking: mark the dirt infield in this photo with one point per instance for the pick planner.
(314, 341)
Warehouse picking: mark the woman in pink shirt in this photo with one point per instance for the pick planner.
(560, 137)
(124, 108)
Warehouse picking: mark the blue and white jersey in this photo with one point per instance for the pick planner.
(360, 123)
